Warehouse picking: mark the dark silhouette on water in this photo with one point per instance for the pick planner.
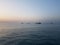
(22, 23)
(38, 23)
(51, 23)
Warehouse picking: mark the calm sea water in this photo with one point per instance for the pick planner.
(29, 34)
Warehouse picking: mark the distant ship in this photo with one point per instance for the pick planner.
(22, 23)
(51, 23)
(38, 23)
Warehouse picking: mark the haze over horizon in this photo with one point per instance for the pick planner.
(30, 10)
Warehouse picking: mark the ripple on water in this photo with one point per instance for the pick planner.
(32, 36)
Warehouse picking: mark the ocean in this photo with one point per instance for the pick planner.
(29, 34)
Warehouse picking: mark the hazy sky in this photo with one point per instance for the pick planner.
(30, 10)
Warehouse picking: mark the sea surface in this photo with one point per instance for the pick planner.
(29, 34)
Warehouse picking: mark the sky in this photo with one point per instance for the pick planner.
(30, 10)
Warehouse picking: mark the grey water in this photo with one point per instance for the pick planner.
(29, 34)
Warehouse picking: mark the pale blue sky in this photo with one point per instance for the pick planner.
(30, 10)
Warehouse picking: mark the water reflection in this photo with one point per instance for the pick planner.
(30, 35)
